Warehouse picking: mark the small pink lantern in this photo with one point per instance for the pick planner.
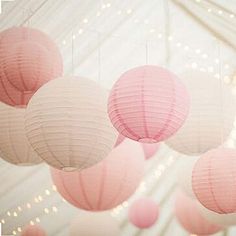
(213, 180)
(149, 149)
(143, 213)
(28, 59)
(33, 230)
(106, 184)
(148, 104)
(189, 216)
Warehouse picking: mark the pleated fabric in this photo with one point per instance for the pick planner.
(148, 104)
(67, 123)
(28, 59)
(14, 145)
(105, 185)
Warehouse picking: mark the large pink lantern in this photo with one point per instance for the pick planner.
(143, 213)
(149, 149)
(189, 216)
(213, 180)
(28, 59)
(33, 230)
(106, 184)
(148, 104)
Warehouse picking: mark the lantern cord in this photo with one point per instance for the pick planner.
(99, 57)
(72, 52)
(146, 49)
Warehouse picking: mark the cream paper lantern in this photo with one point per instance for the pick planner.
(67, 123)
(14, 145)
(211, 116)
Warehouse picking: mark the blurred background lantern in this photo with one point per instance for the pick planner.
(189, 216)
(143, 213)
(211, 116)
(94, 224)
(106, 184)
(28, 59)
(14, 145)
(213, 180)
(67, 123)
(148, 104)
(33, 230)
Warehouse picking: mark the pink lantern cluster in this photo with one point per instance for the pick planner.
(33, 230)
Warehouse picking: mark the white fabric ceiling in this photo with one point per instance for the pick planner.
(110, 37)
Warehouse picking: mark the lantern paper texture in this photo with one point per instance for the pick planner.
(33, 230)
(67, 123)
(94, 224)
(148, 104)
(106, 184)
(28, 59)
(189, 216)
(14, 145)
(211, 116)
(213, 180)
(143, 213)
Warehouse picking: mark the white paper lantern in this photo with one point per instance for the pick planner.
(220, 219)
(94, 224)
(67, 123)
(211, 115)
(185, 175)
(14, 146)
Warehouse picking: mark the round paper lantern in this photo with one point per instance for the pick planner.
(94, 224)
(143, 213)
(33, 230)
(210, 118)
(213, 180)
(106, 184)
(67, 123)
(216, 218)
(189, 216)
(184, 179)
(28, 59)
(149, 149)
(148, 104)
(14, 145)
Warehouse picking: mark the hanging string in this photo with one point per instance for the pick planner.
(99, 57)
(146, 51)
(72, 51)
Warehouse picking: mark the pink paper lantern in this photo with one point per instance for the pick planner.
(213, 180)
(189, 216)
(149, 149)
(33, 230)
(143, 213)
(148, 104)
(106, 184)
(28, 59)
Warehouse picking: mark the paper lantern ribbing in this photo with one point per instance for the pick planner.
(225, 220)
(67, 123)
(189, 216)
(148, 104)
(211, 115)
(149, 149)
(14, 145)
(106, 184)
(94, 224)
(28, 59)
(213, 180)
(33, 230)
(143, 213)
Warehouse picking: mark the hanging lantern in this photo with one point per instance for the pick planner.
(94, 224)
(149, 149)
(211, 115)
(213, 180)
(33, 230)
(106, 184)
(143, 213)
(14, 145)
(148, 104)
(188, 215)
(28, 59)
(67, 123)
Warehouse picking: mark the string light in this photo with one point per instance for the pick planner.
(32, 222)
(46, 210)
